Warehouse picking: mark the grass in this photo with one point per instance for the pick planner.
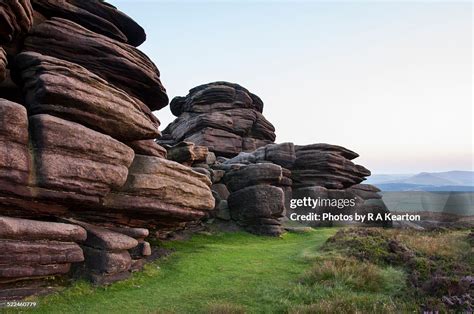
(221, 273)
(353, 272)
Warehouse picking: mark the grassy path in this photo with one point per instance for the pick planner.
(206, 273)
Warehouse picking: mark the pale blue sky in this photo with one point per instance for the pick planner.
(390, 80)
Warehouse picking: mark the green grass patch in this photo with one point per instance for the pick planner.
(220, 273)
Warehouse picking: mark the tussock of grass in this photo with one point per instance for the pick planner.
(354, 274)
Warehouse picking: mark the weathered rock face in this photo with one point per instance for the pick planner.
(120, 64)
(111, 253)
(281, 154)
(326, 165)
(318, 171)
(187, 153)
(158, 193)
(14, 155)
(96, 16)
(34, 249)
(148, 148)
(69, 91)
(256, 202)
(16, 19)
(72, 158)
(222, 116)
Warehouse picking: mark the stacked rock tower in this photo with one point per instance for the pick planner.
(85, 174)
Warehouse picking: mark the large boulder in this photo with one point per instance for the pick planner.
(95, 15)
(258, 208)
(223, 116)
(15, 228)
(69, 91)
(120, 64)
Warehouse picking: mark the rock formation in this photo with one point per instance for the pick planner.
(77, 149)
(256, 201)
(16, 19)
(82, 179)
(33, 250)
(122, 65)
(222, 116)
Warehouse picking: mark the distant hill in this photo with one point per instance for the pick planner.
(425, 181)
(427, 188)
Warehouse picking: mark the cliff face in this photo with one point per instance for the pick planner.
(77, 145)
(82, 179)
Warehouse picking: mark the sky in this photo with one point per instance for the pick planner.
(389, 80)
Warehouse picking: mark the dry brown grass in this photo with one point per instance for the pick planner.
(447, 244)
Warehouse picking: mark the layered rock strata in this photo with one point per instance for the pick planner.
(95, 15)
(256, 201)
(32, 250)
(16, 19)
(77, 137)
(158, 193)
(107, 253)
(222, 116)
(319, 171)
(122, 65)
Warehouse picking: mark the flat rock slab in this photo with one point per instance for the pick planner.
(35, 270)
(25, 229)
(42, 253)
(102, 238)
(136, 233)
